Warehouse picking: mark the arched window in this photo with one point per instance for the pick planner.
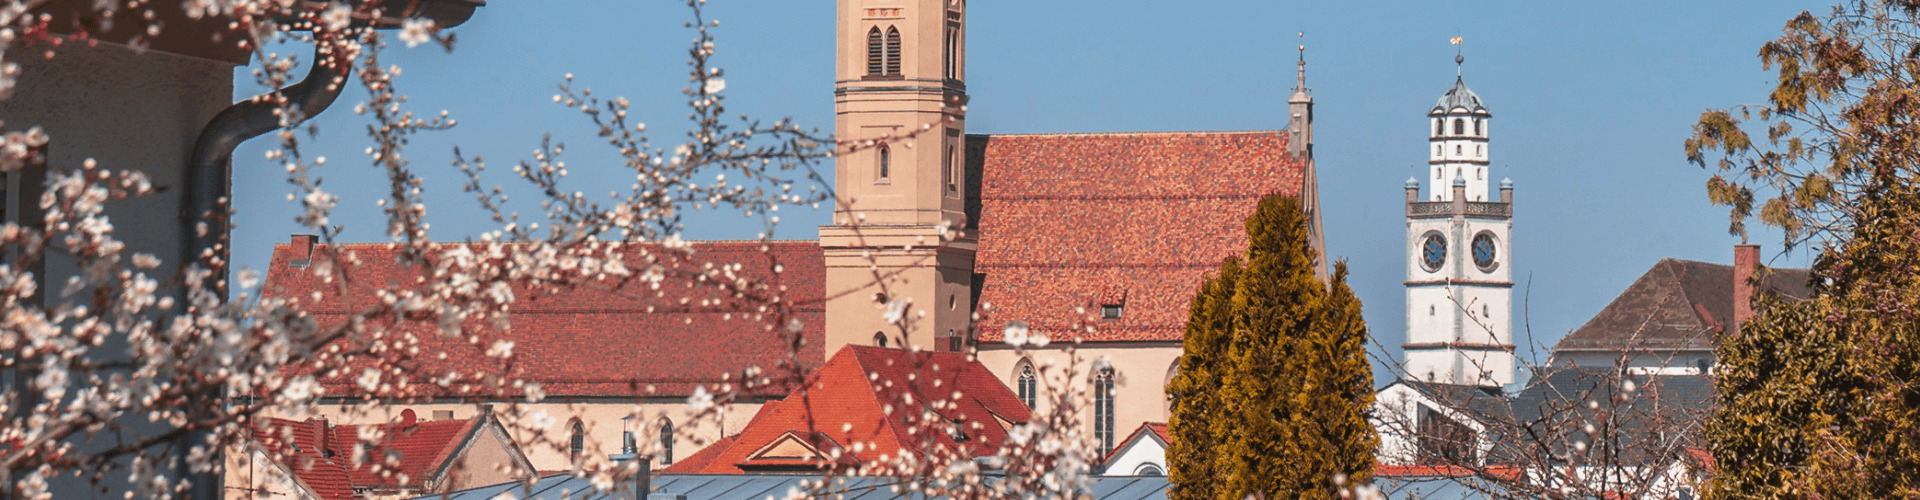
(893, 51)
(1456, 150)
(1476, 126)
(1148, 469)
(666, 442)
(880, 339)
(1439, 125)
(1459, 127)
(1103, 409)
(1027, 384)
(876, 52)
(953, 51)
(886, 162)
(578, 445)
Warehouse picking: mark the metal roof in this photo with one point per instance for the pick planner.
(762, 486)
(1458, 97)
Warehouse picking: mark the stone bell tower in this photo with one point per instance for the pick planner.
(897, 235)
(1459, 272)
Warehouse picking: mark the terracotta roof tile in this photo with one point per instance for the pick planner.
(847, 401)
(1677, 304)
(1074, 220)
(321, 454)
(604, 338)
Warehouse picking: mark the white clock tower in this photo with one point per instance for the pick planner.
(1459, 271)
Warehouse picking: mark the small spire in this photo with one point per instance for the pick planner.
(1302, 86)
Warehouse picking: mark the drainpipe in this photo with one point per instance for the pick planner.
(210, 170)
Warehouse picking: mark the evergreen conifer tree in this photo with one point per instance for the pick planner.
(1193, 389)
(1287, 413)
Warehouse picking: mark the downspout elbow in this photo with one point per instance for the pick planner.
(209, 173)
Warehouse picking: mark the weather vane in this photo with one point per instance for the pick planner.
(1458, 57)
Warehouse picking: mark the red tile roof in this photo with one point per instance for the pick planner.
(1158, 429)
(321, 455)
(597, 338)
(862, 396)
(1072, 220)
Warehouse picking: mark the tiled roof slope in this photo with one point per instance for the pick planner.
(321, 455)
(860, 396)
(1678, 304)
(1074, 220)
(602, 339)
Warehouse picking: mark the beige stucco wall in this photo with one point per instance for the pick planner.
(490, 460)
(1140, 371)
(604, 422)
(129, 111)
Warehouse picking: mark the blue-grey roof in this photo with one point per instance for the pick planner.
(762, 486)
(1459, 96)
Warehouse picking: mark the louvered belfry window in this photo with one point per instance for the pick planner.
(876, 52)
(893, 51)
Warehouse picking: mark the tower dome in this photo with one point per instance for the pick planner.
(1458, 98)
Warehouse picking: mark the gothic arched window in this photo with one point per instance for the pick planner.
(1103, 409)
(893, 51)
(880, 339)
(886, 162)
(1027, 384)
(578, 444)
(666, 442)
(1459, 127)
(876, 52)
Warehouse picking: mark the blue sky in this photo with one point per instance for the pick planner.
(1591, 101)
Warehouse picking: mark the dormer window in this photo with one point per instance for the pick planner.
(1110, 311)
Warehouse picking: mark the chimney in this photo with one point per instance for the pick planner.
(1745, 259)
(302, 250)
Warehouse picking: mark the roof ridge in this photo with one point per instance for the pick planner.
(1275, 132)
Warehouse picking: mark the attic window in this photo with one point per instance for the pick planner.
(1110, 311)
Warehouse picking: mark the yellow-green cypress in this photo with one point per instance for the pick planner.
(1286, 412)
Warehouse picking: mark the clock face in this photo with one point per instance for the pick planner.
(1433, 252)
(1484, 252)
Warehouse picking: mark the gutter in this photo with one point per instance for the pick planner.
(209, 177)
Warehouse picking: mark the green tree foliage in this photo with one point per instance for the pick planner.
(1782, 383)
(1818, 400)
(1194, 388)
(1275, 385)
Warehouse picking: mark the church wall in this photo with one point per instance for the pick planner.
(1140, 370)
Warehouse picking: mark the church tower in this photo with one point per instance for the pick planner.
(897, 235)
(1459, 272)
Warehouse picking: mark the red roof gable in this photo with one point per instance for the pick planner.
(1132, 219)
(602, 337)
(862, 396)
(321, 455)
(1157, 429)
